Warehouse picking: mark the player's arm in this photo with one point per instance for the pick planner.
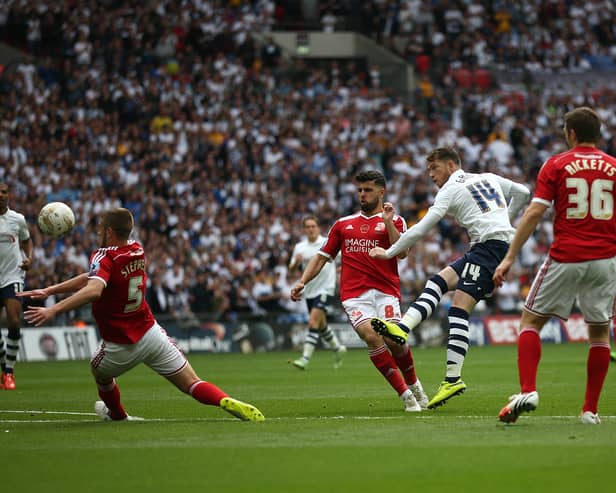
(38, 315)
(68, 286)
(409, 237)
(516, 194)
(392, 232)
(531, 217)
(27, 246)
(313, 268)
(296, 261)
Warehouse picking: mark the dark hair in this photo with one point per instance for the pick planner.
(586, 124)
(310, 217)
(120, 220)
(372, 175)
(444, 154)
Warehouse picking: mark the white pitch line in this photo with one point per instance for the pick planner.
(422, 416)
(45, 412)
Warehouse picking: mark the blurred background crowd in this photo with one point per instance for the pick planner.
(187, 113)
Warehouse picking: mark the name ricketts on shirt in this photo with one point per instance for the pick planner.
(585, 164)
(359, 245)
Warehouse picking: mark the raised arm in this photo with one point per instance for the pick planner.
(409, 237)
(392, 232)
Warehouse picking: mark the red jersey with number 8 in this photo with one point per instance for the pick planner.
(121, 313)
(355, 236)
(580, 183)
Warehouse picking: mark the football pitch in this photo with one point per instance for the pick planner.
(326, 430)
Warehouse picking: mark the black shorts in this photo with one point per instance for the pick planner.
(477, 267)
(322, 302)
(11, 291)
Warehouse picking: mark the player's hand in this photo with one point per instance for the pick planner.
(26, 264)
(296, 291)
(35, 294)
(500, 274)
(378, 253)
(38, 315)
(388, 212)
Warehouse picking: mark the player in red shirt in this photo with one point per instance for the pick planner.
(130, 335)
(369, 287)
(581, 263)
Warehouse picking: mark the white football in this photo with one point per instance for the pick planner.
(56, 219)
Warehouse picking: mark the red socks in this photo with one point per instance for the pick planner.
(407, 366)
(529, 354)
(206, 393)
(385, 363)
(597, 365)
(110, 395)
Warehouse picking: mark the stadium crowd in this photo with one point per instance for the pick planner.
(219, 145)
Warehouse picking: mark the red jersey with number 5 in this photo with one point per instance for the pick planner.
(121, 313)
(355, 236)
(580, 183)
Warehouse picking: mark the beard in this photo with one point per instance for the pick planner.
(368, 207)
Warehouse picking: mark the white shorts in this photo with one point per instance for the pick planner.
(557, 286)
(155, 349)
(372, 304)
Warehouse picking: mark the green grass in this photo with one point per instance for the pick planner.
(326, 430)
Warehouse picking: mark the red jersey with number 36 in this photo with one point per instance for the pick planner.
(121, 313)
(355, 236)
(580, 182)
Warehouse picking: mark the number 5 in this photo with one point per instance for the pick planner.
(135, 296)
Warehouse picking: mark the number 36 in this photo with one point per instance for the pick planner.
(600, 199)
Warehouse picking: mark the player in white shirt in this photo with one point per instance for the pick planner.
(484, 204)
(318, 293)
(15, 259)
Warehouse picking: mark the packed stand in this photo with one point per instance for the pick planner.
(219, 146)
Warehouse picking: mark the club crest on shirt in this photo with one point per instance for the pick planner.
(356, 314)
(364, 228)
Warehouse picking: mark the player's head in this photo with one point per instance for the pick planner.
(442, 163)
(371, 188)
(4, 197)
(582, 126)
(115, 226)
(311, 227)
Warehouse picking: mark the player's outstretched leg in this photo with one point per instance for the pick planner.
(396, 331)
(211, 395)
(241, 410)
